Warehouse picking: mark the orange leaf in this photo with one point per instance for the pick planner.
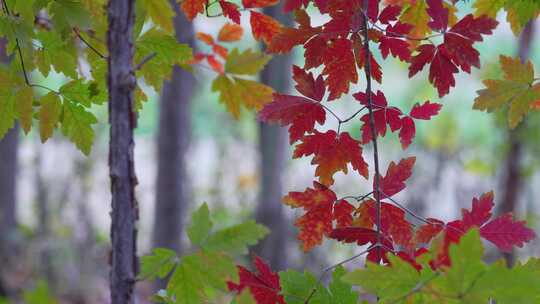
(206, 38)
(258, 3)
(339, 67)
(395, 178)
(264, 27)
(230, 32)
(215, 64)
(321, 209)
(193, 7)
(332, 153)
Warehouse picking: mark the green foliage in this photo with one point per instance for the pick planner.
(39, 295)
(468, 280)
(519, 12)
(297, 287)
(53, 43)
(246, 63)
(196, 276)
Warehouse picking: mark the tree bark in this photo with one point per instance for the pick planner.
(513, 179)
(8, 186)
(172, 195)
(9, 146)
(273, 149)
(122, 119)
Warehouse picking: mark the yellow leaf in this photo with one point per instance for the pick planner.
(24, 100)
(488, 7)
(417, 16)
(161, 13)
(237, 92)
(516, 71)
(49, 115)
(516, 91)
(245, 63)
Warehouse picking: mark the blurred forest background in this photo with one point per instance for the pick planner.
(54, 201)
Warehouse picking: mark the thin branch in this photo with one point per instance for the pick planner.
(367, 70)
(88, 44)
(145, 60)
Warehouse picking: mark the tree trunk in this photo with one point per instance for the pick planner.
(513, 179)
(172, 193)
(43, 215)
(9, 145)
(273, 148)
(122, 119)
(8, 186)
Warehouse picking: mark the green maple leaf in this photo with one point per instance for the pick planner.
(166, 52)
(158, 264)
(7, 112)
(201, 224)
(77, 126)
(237, 92)
(161, 13)
(297, 287)
(235, 239)
(67, 14)
(199, 271)
(49, 115)
(57, 53)
(520, 12)
(246, 63)
(390, 284)
(516, 91)
(24, 107)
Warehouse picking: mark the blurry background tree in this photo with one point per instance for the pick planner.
(174, 131)
(273, 149)
(9, 145)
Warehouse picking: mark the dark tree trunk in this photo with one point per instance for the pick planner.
(8, 172)
(122, 120)
(273, 148)
(172, 193)
(9, 145)
(513, 178)
(8, 180)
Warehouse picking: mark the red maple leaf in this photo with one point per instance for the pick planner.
(502, 231)
(263, 284)
(307, 85)
(456, 50)
(339, 67)
(505, 233)
(230, 10)
(393, 43)
(298, 112)
(321, 209)
(425, 111)
(264, 27)
(332, 153)
(396, 175)
(360, 57)
(292, 5)
(290, 37)
(394, 225)
(425, 233)
(363, 236)
(438, 14)
(393, 117)
(389, 13)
